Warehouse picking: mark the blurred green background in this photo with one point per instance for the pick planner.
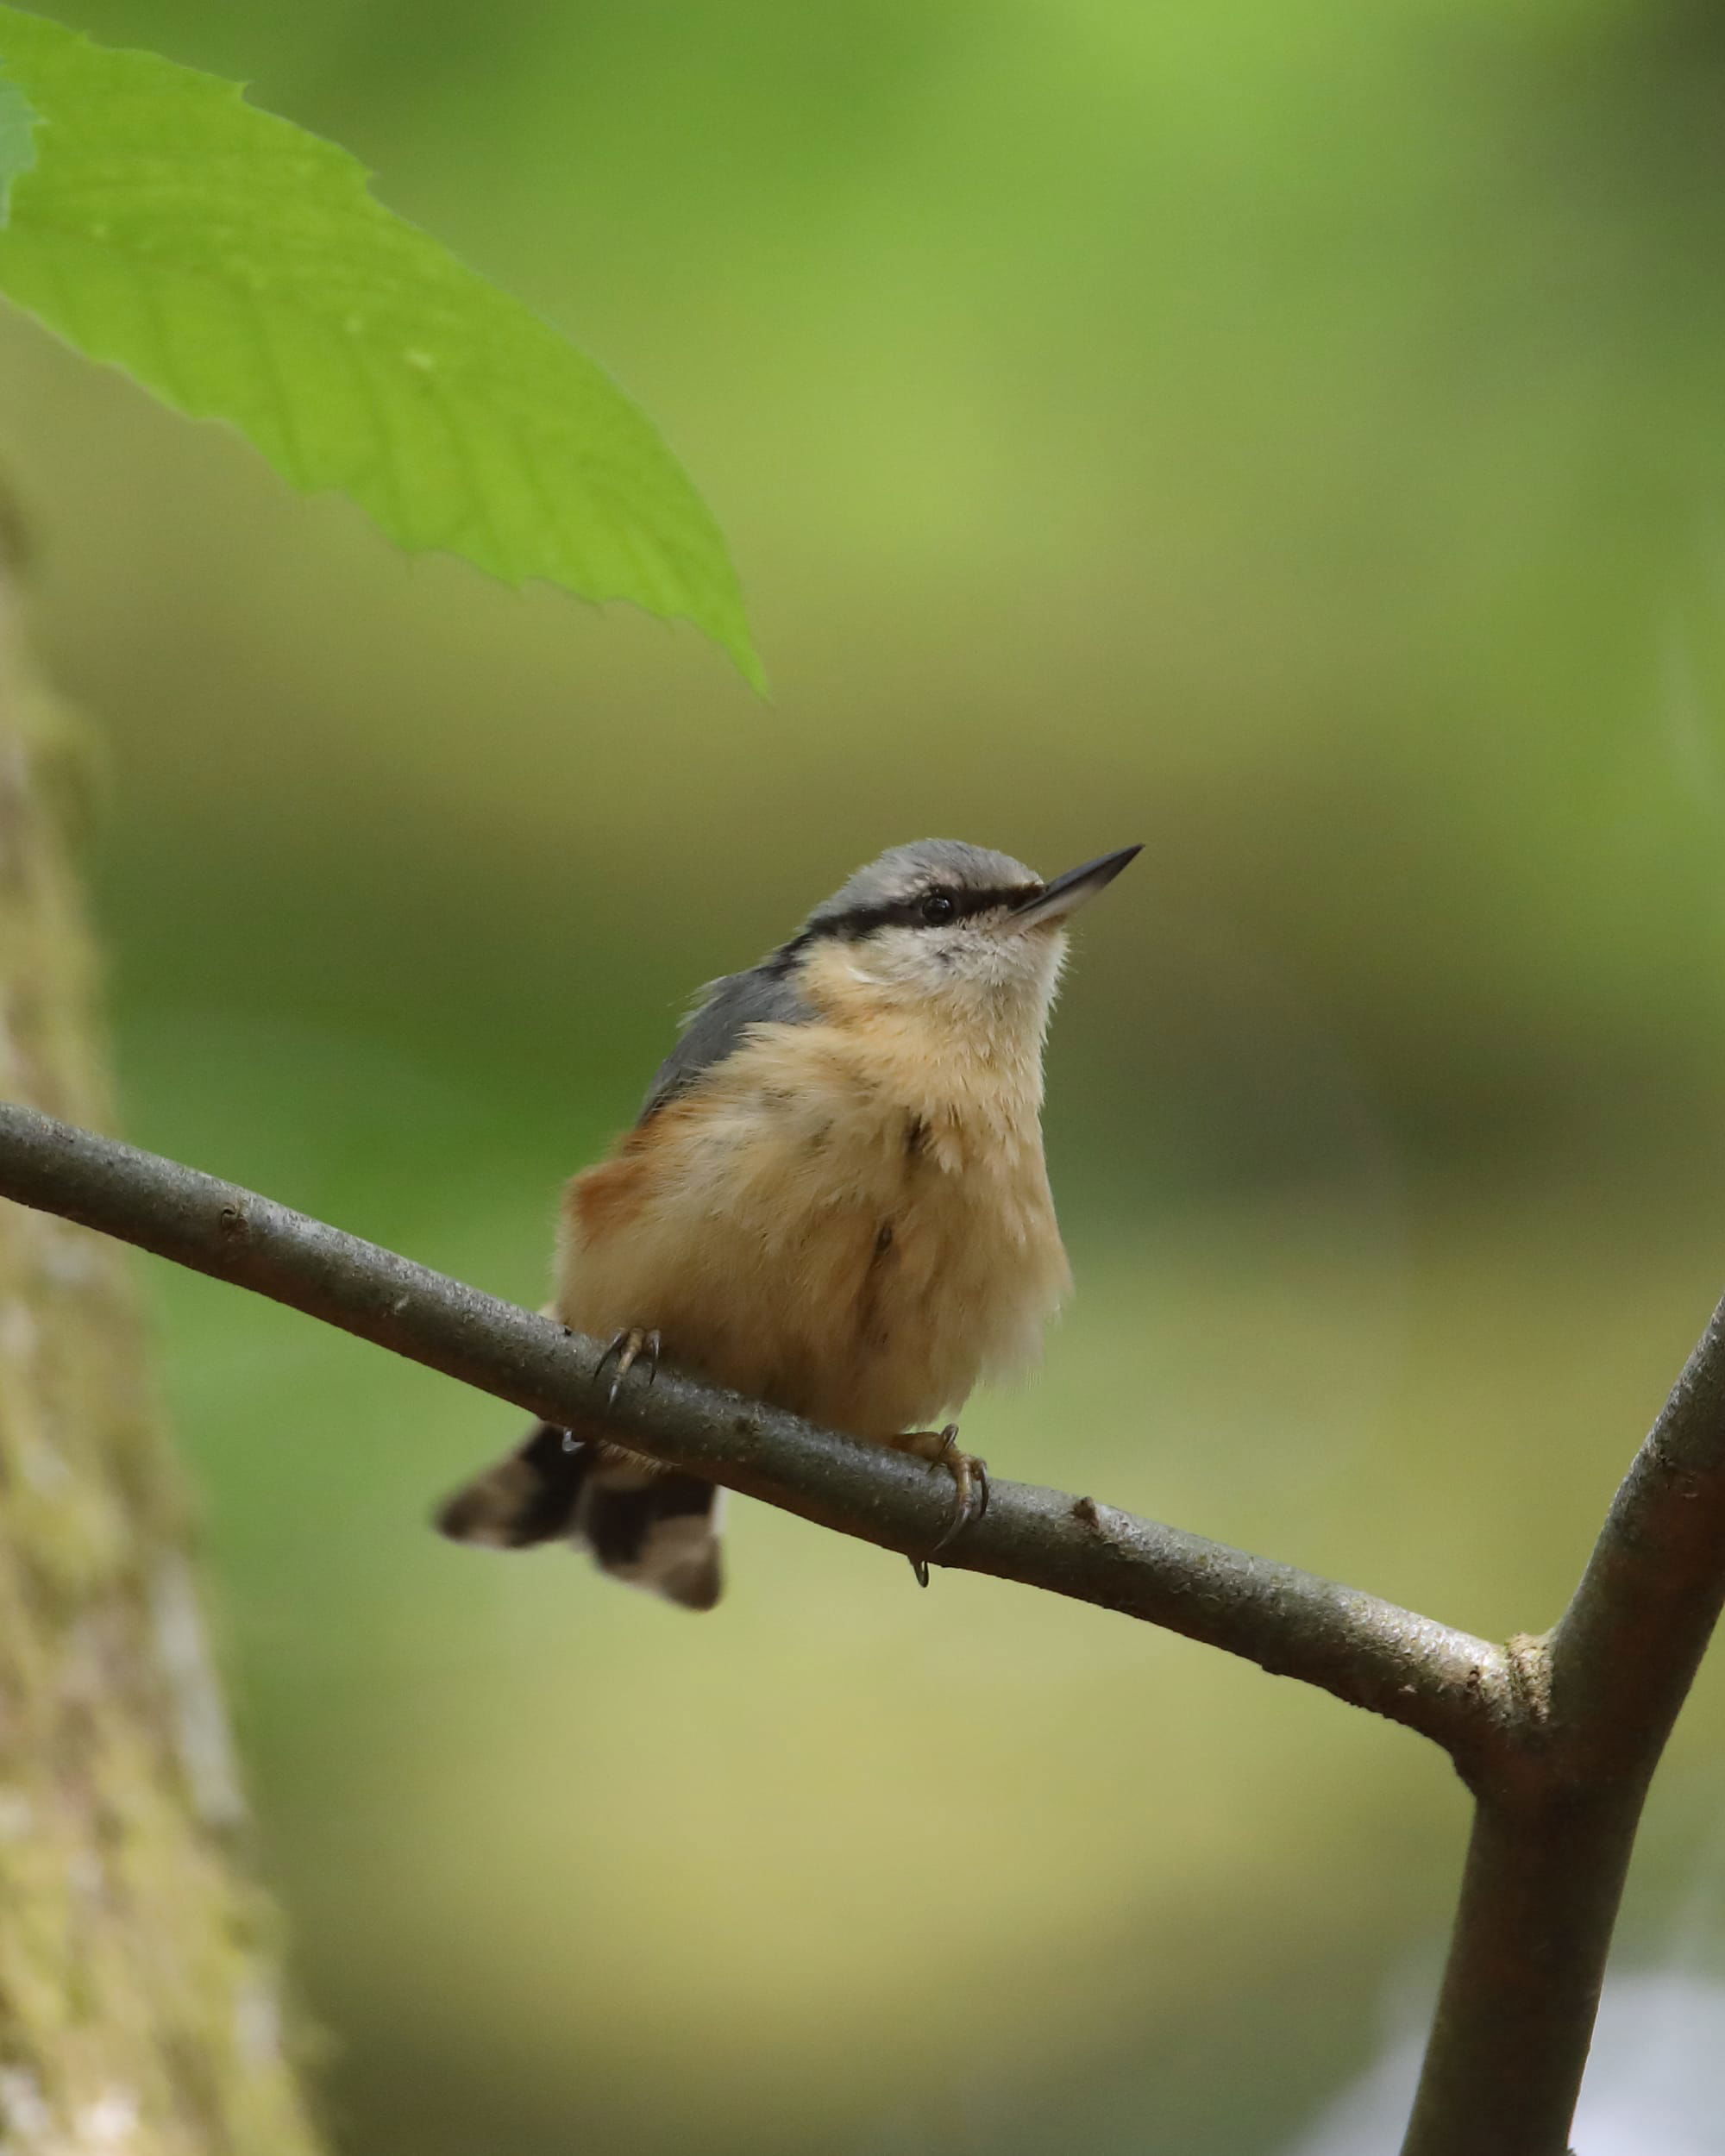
(1291, 437)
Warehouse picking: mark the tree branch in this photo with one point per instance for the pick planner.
(1558, 1738)
(1449, 1686)
(1558, 1810)
(1626, 1651)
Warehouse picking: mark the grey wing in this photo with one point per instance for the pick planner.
(766, 994)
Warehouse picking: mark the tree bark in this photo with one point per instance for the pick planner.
(140, 1982)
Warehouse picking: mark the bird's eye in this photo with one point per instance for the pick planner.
(937, 906)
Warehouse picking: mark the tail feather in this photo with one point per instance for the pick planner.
(660, 1532)
(532, 1495)
(653, 1529)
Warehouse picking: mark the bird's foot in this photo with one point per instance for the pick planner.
(628, 1348)
(969, 1483)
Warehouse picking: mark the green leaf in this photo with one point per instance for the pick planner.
(241, 269)
(18, 140)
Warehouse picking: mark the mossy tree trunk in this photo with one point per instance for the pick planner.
(138, 1965)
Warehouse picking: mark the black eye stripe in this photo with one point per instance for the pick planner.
(908, 912)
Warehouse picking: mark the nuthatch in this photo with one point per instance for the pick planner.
(834, 1200)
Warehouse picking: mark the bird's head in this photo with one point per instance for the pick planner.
(948, 929)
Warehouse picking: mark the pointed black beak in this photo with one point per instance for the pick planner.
(1056, 901)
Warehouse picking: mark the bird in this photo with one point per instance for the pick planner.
(834, 1199)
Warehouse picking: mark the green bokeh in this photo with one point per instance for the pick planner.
(1289, 438)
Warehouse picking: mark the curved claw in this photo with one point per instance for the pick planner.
(970, 1485)
(970, 1497)
(629, 1346)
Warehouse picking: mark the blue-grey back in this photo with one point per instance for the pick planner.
(766, 995)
